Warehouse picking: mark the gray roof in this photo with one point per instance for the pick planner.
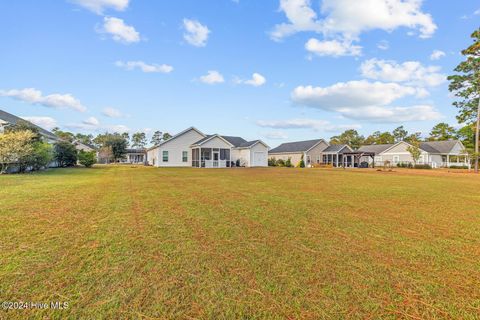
(428, 146)
(438, 146)
(335, 148)
(375, 148)
(11, 119)
(298, 146)
(247, 144)
(237, 142)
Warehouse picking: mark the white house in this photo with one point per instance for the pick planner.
(193, 148)
(435, 153)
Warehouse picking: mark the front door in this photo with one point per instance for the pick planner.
(216, 156)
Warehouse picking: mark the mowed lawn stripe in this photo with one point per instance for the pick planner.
(137, 242)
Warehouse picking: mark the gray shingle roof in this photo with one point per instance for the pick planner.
(247, 144)
(298, 146)
(335, 148)
(438, 146)
(11, 119)
(236, 141)
(375, 148)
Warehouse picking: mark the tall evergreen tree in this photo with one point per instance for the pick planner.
(156, 138)
(442, 132)
(466, 87)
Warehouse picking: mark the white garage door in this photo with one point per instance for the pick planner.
(260, 159)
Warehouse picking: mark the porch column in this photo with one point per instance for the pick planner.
(337, 160)
(230, 158)
(448, 161)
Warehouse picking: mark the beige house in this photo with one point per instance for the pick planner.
(311, 150)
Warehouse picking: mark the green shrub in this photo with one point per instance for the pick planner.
(458, 167)
(87, 159)
(280, 163)
(405, 165)
(423, 166)
(272, 162)
(65, 154)
(288, 163)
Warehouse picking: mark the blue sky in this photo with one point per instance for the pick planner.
(275, 70)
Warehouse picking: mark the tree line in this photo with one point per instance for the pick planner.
(440, 132)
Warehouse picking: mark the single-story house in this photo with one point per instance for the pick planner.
(193, 148)
(316, 151)
(135, 156)
(435, 153)
(310, 150)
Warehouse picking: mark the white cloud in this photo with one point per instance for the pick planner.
(365, 100)
(99, 6)
(119, 31)
(302, 123)
(257, 80)
(212, 77)
(383, 45)
(148, 68)
(275, 135)
(55, 100)
(353, 93)
(477, 12)
(92, 124)
(349, 18)
(333, 48)
(43, 122)
(112, 113)
(437, 55)
(91, 121)
(410, 72)
(393, 114)
(196, 34)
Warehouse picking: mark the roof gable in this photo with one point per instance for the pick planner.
(376, 148)
(211, 137)
(179, 135)
(442, 147)
(298, 146)
(337, 148)
(13, 120)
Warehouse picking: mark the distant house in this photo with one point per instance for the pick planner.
(135, 156)
(316, 151)
(193, 148)
(83, 146)
(435, 153)
(8, 119)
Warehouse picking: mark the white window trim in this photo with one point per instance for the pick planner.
(163, 155)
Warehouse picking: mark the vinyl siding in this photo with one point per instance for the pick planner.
(175, 147)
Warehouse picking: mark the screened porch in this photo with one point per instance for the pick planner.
(211, 158)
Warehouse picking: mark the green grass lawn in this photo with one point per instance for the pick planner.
(141, 243)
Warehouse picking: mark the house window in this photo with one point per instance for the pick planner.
(184, 156)
(396, 159)
(318, 159)
(421, 159)
(165, 156)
